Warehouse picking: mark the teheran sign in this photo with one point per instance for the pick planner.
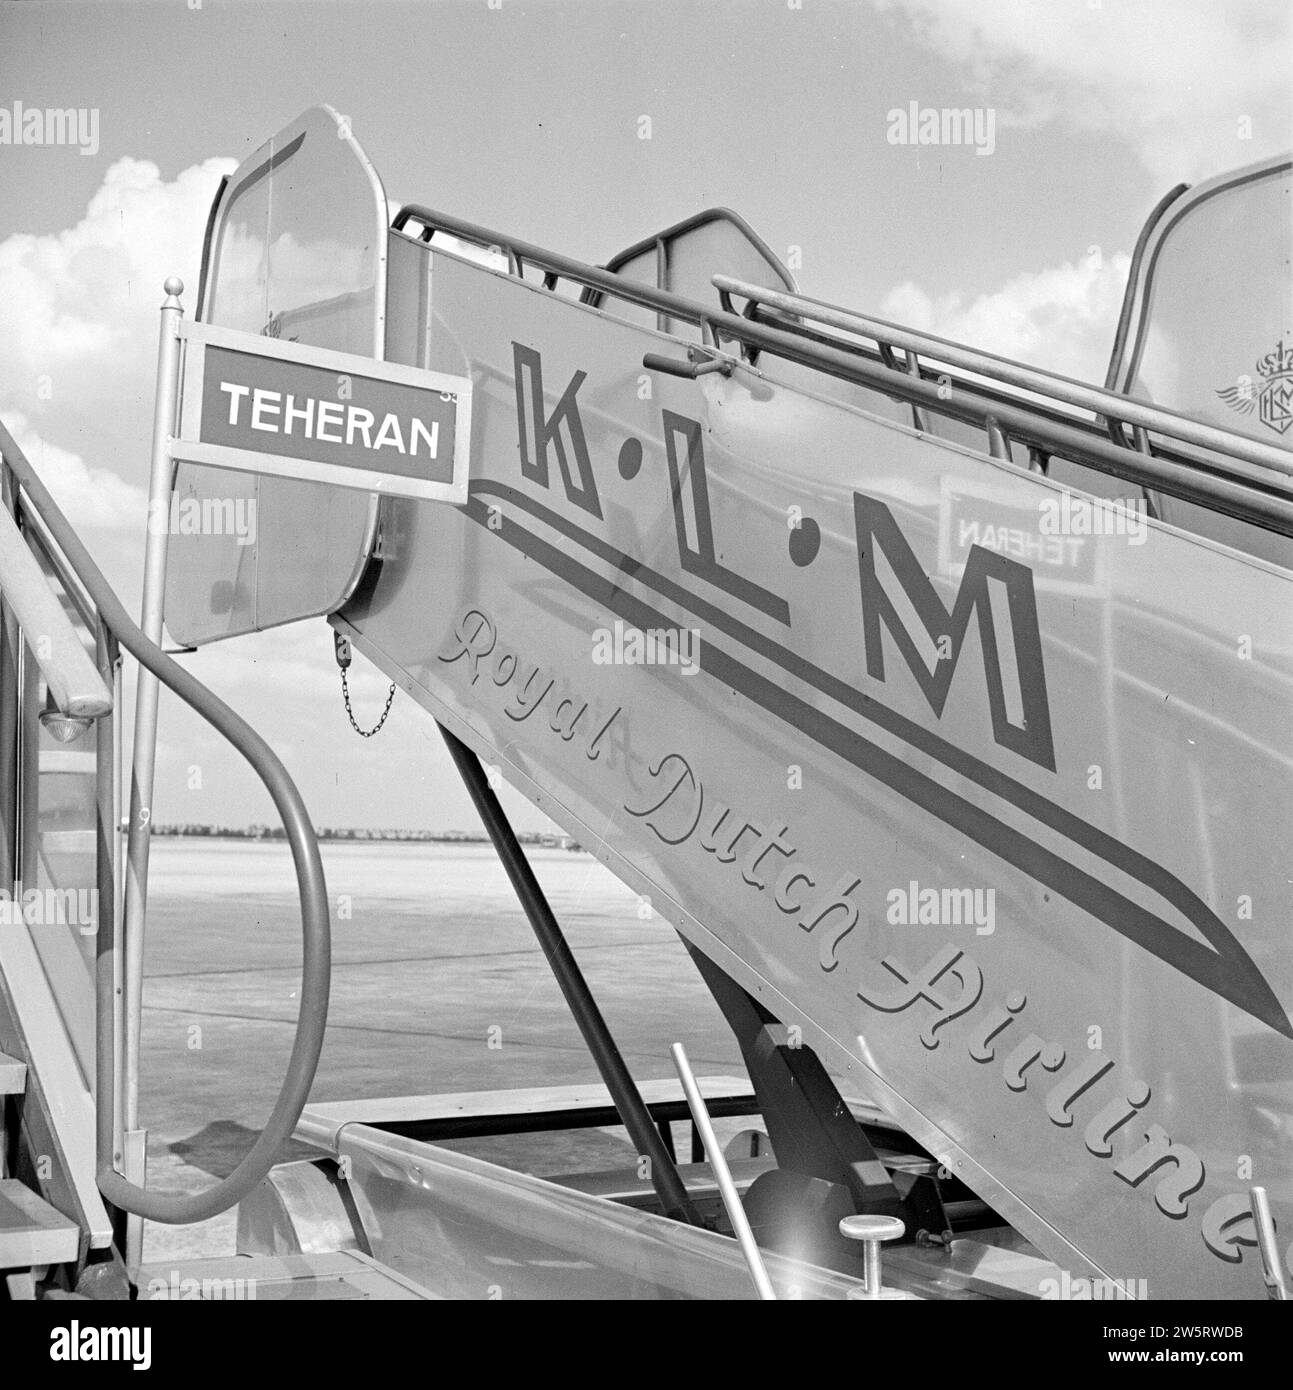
(261, 405)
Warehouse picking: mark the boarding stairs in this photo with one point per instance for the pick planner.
(681, 440)
(33, 1234)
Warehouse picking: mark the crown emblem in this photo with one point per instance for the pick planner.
(1272, 398)
(1277, 363)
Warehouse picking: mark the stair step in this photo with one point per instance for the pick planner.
(13, 1075)
(31, 1231)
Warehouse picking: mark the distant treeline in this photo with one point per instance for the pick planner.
(541, 838)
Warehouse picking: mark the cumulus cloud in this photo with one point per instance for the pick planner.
(1193, 88)
(78, 308)
(1061, 318)
(78, 346)
(89, 497)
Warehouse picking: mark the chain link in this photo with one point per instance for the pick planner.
(350, 714)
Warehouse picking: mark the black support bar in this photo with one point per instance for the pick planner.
(629, 1104)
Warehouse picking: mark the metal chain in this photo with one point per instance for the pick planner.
(350, 714)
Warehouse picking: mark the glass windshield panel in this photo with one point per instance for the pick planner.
(1217, 336)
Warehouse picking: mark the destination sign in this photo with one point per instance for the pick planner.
(265, 406)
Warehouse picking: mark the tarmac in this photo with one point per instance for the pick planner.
(438, 986)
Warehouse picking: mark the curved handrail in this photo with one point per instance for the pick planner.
(174, 1208)
(1133, 281)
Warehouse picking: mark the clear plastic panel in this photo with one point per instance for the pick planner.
(464, 1228)
(713, 248)
(238, 272)
(298, 252)
(715, 244)
(1216, 337)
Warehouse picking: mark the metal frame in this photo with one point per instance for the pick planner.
(1238, 481)
(1133, 280)
(661, 243)
(1063, 389)
(113, 626)
(723, 1177)
(629, 1104)
(662, 239)
(57, 1113)
(815, 1136)
(889, 1107)
(229, 190)
(529, 1110)
(143, 756)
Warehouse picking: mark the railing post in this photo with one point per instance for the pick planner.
(144, 748)
(107, 824)
(919, 417)
(9, 641)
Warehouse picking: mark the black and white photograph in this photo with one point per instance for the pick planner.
(646, 654)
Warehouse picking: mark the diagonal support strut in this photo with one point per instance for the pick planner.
(619, 1082)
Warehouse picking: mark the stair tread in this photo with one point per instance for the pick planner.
(13, 1075)
(31, 1231)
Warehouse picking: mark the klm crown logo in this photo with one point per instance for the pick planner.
(1273, 399)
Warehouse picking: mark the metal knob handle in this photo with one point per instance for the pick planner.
(872, 1231)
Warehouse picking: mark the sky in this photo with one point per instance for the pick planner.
(527, 117)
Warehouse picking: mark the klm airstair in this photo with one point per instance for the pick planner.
(940, 704)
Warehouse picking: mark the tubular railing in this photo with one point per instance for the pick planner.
(1098, 401)
(723, 1177)
(1236, 476)
(85, 583)
(75, 686)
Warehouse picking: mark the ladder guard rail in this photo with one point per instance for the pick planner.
(35, 532)
(1096, 399)
(1263, 499)
(1205, 461)
(1049, 411)
(75, 686)
(175, 1208)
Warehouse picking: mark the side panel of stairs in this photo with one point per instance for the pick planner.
(890, 679)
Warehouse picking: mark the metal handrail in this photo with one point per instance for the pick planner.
(75, 686)
(1062, 388)
(172, 1208)
(1051, 411)
(1263, 503)
(37, 536)
(723, 1176)
(1272, 1269)
(519, 252)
